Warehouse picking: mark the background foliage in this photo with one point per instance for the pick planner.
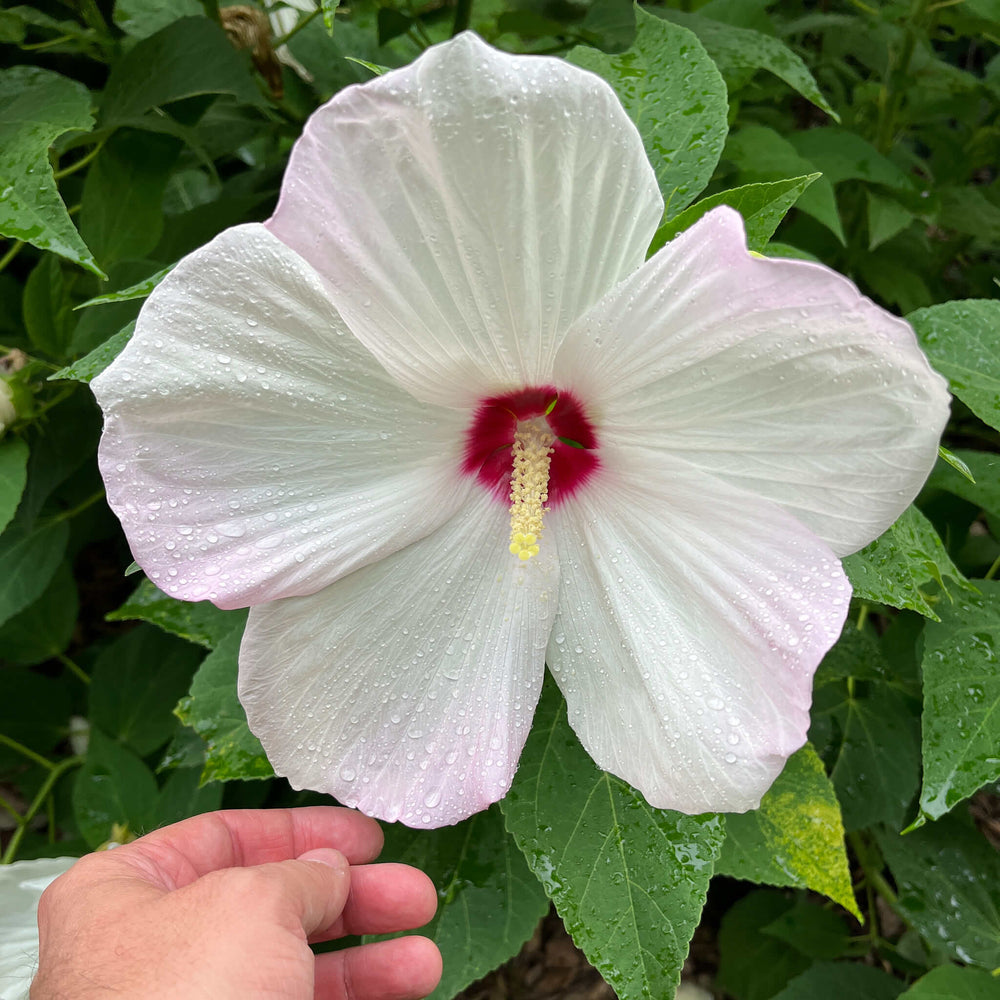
(862, 134)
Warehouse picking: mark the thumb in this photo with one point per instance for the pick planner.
(312, 889)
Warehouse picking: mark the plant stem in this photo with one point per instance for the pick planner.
(78, 509)
(73, 668)
(296, 28)
(992, 571)
(15, 249)
(80, 164)
(54, 775)
(26, 752)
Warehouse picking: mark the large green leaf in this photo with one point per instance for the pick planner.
(28, 561)
(843, 155)
(864, 724)
(13, 476)
(197, 621)
(137, 682)
(677, 99)
(904, 558)
(48, 308)
(188, 57)
(837, 980)
(961, 722)
(490, 903)
(953, 982)
(628, 880)
(736, 50)
(142, 18)
(183, 795)
(44, 628)
(214, 712)
(795, 838)
(114, 787)
(121, 215)
(36, 107)
(762, 206)
(948, 879)
(960, 339)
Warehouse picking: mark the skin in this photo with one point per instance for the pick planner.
(225, 905)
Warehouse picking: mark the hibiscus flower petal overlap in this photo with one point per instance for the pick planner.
(314, 416)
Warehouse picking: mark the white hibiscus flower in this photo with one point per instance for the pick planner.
(446, 346)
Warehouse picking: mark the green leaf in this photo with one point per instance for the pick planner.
(886, 218)
(137, 681)
(795, 838)
(36, 107)
(961, 721)
(34, 711)
(628, 880)
(197, 621)
(142, 18)
(893, 568)
(960, 339)
(844, 155)
(214, 712)
(13, 476)
(985, 470)
(44, 628)
(112, 787)
(811, 929)
(736, 50)
(91, 365)
(956, 463)
(490, 903)
(677, 99)
(761, 154)
(865, 728)
(948, 879)
(121, 216)
(48, 308)
(836, 980)
(189, 57)
(762, 206)
(139, 290)
(28, 561)
(953, 982)
(968, 210)
(754, 965)
(182, 796)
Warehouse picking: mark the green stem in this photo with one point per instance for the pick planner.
(80, 164)
(47, 44)
(463, 17)
(78, 509)
(863, 616)
(4, 804)
(992, 571)
(26, 752)
(894, 87)
(299, 25)
(39, 800)
(73, 668)
(15, 249)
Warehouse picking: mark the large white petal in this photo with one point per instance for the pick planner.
(777, 375)
(468, 208)
(691, 619)
(407, 689)
(253, 448)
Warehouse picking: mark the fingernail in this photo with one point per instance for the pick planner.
(325, 856)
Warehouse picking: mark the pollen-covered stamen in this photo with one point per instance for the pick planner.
(529, 485)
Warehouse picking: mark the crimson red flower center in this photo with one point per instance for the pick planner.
(489, 440)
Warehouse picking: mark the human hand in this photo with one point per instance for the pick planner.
(224, 905)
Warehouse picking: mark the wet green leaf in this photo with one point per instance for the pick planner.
(197, 621)
(677, 99)
(948, 879)
(628, 880)
(91, 365)
(13, 476)
(28, 561)
(961, 721)
(36, 107)
(490, 903)
(795, 838)
(907, 556)
(837, 980)
(136, 683)
(762, 206)
(142, 18)
(214, 712)
(960, 339)
(953, 982)
(139, 290)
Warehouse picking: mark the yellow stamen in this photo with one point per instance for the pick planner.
(529, 485)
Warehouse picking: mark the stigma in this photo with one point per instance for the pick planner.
(529, 485)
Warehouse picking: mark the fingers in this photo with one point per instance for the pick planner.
(384, 899)
(179, 854)
(404, 969)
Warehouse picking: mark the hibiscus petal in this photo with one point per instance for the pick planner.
(775, 375)
(689, 628)
(253, 448)
(407, 689)
(467, 209)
